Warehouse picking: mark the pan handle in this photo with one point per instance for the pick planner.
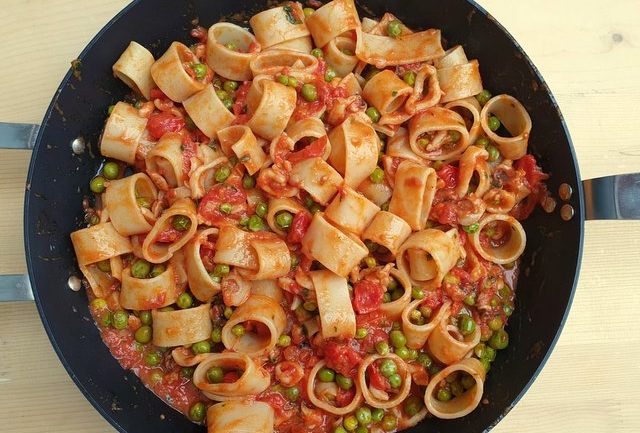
(16, 136)
(613, 197)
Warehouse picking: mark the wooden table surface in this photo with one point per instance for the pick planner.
(589, 53)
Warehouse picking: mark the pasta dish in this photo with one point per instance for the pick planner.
(313, 226)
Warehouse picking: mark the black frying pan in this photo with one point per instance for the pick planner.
(66, 156)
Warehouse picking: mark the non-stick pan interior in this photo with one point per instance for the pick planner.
(58, 180)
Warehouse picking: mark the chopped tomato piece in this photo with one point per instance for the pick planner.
(199, 33)
(299, 227)
(345, 396)
(342, 358)
(367, 296)
(157, 94)
(533, 172)
(376, 379)
(230, 377)
(209, 207)
(239, 107)
(449, 174)
(161, 123)
(316, 148)
(169, 235)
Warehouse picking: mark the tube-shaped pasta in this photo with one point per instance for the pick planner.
(317, 178)
(332, 20)
(426, 90)
(253, 380)
(165, 160)
(508, 248)
(415, 187)
(386, 91)
(181, 327)
(311, 127)
(231, 64)
(379, 193)
(447, 344)
(388, 230)
(272, 256)
(271, 319)
(351, 211)
(340, 55)
(245, 146)
(122, 133)
(133, 67)
(169, 74)
(460, 81)
(121, 201)
(301, 45)
(337, 251)
(324, 405)
(280, 24)
(354, 150)
(393, 310)
(438, 126)
(200, 283)
(398, 146)
(277, 205)
(240, 417)
(157, 248)
(233, 248)
(452, 57)
(276, 61)
(208, 112)
(203, 177)
(515, 118)
(439, 252)
(472, 106)
(499, 201)
(334, 305)
(463, 404)
(99, 242)
(148, 293)
(383, 51)
(270, 116)
(473, 160)
(268, 288)
(417, 335)
(375, 399)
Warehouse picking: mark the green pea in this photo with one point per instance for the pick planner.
(237, 330)
(153, 359)
(486, 364)
(409, 77)
(329, 75)
(457, 389)
(361, 333)
(395, 380)
(326, 375)
(397, 294)
(344, 382)
(482, 142)
(292, 393)
(168, 308)
(454, 136)
(424, 360)
(470, 299)
(140, 268)
(157, 270)
(310, 306)
(200, 70)
(228, 311)
(382, 347)
(255, 223)
(363, 415)
(143, 334)
(97, 185)
(377, 415)
(499, 340)
(197, 412)
(283, 79)
(468, 381)
(262, 208)
(221, 269)
(389, 423)
(120, 319)
(222, 94)
(230, 86)
(394, 28)
(111, 170)
(248, 182)
(99, 304)
(105, 266)
(339, 429)
(317, 52)
(107, 319)
(483, 97)
(495, 323)
(144, 202)
(417, 293)
(370, 262)
(228, 103)
(489, 353)
(215, 375)
(184, 301)
(284, 340)
(493, 152)
(412, 405)
(215, 278)
(156, 377)
(222, 173)
(350, 423)
(388, 367)
(397, 339)
(201, 347)
(284, 219)
(416, 317)
(216, 334)
(494, 123)
(377, 175)
(467, 325)
(309, 92)
(508, 310)
(187, 372)
(308, 12)
(403, 352)
(373, 114)
(181, 223)
(361, 429)
(443, 394)
(423, 142)
(472, 228)
(292, 82)
(231, 46)
(145, 317)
